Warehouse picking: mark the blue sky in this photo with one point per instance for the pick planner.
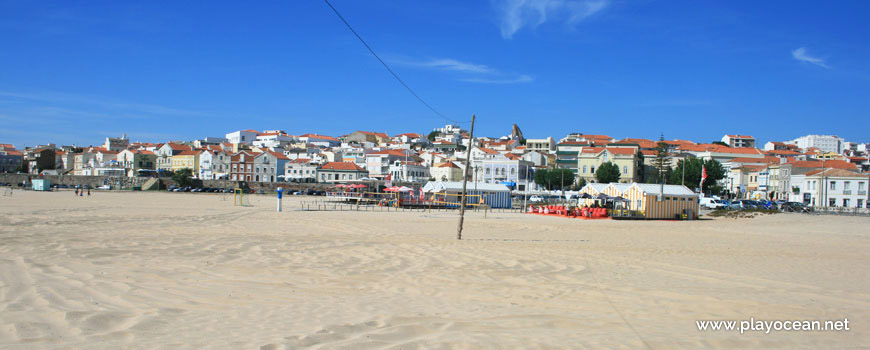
(76, 72)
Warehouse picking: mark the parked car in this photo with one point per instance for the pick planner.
(796, 207)
(742, 204)
(712, 203)
(104, 187)
(536, 199)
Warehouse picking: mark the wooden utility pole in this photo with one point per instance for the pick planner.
(465, 179)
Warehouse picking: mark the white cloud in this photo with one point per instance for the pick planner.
(800, 54)
(454, 65)
(516, 14)
(474, 73)
(520, 79)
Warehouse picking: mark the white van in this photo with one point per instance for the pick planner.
(711, 203)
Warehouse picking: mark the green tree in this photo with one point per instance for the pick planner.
(432, 135)
(662, 162)
(715, 172)
(182, 177)
(607, 173)
(554, 179)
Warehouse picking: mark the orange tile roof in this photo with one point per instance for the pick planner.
(765, 160)
(251, 130)
(188, 153)
(319, 137)
(783, 152)
(649, 152)
(341, 166)
(446, 165)
(838, 164)
(300, 160)
(595, 150)
(278, 155)
(621, 150)
(512, 156)
(6, 145)
(740, 137)
(392, 152)
(488, 150)
(835, 172)
(411, 135)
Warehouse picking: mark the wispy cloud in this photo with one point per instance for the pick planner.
(455, 65)
(516, 14)
(471, 72)
(800, 54)
(520, 79)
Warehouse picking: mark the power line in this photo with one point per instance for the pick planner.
(387, 66)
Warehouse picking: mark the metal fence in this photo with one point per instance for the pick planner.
(840, 211)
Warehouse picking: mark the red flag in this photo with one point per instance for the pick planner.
(703, 172)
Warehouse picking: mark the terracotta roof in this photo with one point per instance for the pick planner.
(12, 152)
(446, 165)
(188, 153)
(488, 150)
(7, 145)
(300, 160)
(596, 137)
(643, 143)
(595, 150)
(411, 135)
(649, 152)
(836, 172)
(621, 150)
(783, 152)
(838, 164)
(740, 136)
(512, 156)
(582, 143)
(316, 136)
(278, 155)
(378, 134)
(765, 160)
(719, 149)
(179, 147)
(392, 152)
(341, 166)
(251, 130)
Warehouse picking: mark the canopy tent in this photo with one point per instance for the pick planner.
(494, 195)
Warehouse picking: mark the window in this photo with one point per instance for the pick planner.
(639, 204)
(846, 185)
(846, 202)
(584, 169)
(860, 185)
(860, 203)
(832, 202)
(833, 185)
(592, 169)
(625, 169)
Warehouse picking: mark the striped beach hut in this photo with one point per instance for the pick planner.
(616, 189)
(649, 200)
(592, 189)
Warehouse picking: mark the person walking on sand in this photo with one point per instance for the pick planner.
(89, 192)
(77, 191)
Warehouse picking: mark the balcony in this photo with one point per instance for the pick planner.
(862, 192)
(847, 192)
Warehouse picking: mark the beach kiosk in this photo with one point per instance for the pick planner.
(41, 185)
(656, 201)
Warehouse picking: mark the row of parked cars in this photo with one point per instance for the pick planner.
(174, 188)
(745, 204)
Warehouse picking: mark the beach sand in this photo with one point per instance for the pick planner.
(191, 271)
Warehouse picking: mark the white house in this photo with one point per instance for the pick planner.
(246, 137)
(831, 188)
(268, 165)
(300, 170)
(825, 143)
(409, 171)
(739, 141)
(213, 164)
(274, 139)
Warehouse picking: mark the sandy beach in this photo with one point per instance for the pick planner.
(191, 271)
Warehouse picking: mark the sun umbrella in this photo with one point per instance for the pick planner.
(391, 189)
(357, 186)
(341, 186)
(404, 189)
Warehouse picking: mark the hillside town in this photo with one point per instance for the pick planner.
(817, 170)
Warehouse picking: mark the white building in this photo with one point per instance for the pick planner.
(739, 141)
(547, 145)
(409, 171)
(214, 165)
(246, 137)
(274, 139)
(831, 188)
(825, 143)
(117, 143)
(300, 170)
